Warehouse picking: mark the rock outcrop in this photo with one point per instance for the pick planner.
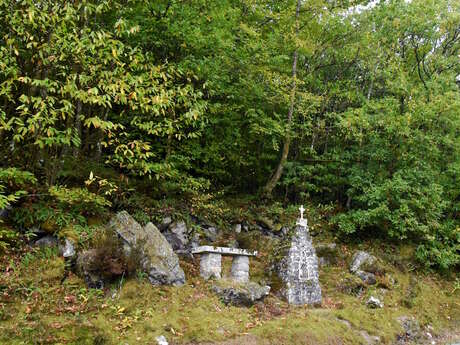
(46, 241)
(177, 236)
(242, 295)
(158, 258)
(374, 302)
(364, 265)
(298, 270)
(327, 253)
(411, 329)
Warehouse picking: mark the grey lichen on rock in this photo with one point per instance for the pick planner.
(177, 235)
(158, 258)
(361, 259)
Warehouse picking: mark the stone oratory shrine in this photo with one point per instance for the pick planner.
(298, 268)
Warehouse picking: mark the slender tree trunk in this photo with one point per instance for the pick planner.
(76, 150)
(287, 140)
(100, 135)
(371, 84)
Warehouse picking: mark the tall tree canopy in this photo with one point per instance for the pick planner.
(354, 103)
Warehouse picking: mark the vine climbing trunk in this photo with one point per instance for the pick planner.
(287, 140)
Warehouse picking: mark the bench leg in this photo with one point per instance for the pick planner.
(210, 265)
(240, 269)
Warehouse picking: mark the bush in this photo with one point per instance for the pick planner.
(110, 259)
(410, 205)
(12, 183)
(64, 212)
(8, 238)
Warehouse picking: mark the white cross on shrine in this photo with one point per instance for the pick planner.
(302, 210)
(302, 221)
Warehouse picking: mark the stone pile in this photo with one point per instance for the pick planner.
(299, 269)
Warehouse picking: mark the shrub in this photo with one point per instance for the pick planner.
(12, 183)
(111, 260)
(8, 238)
(63, 212)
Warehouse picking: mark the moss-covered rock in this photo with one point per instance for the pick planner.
(159, 260)
(351, 284)
(328, 253)
(240, 294)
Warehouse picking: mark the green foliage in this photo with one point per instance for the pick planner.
(79, 200)
(64, 212)
(188, 99)
(84, 83)
(8, 238)
(141, 217)
(11, 179)
(11, 182)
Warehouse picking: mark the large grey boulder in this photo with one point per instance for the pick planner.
(242, 295)
(177, 236)
(298, 270)
(158, 258)
(68, 251)
(364, 265)
(362, 261)
(46, 241)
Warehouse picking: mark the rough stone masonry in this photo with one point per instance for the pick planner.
(299, 269)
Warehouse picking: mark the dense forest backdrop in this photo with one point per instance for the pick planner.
(353, 104)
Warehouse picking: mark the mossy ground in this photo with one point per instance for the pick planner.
(36, 308)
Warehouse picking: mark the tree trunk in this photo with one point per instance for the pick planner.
(287, 140)
(76, 150)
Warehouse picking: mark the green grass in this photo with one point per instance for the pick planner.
(35, 308)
